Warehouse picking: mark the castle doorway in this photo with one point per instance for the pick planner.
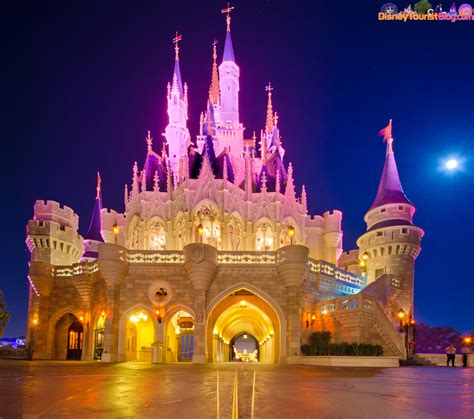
(240, 322)
(68, 340)
(180, 337)
(75, 341)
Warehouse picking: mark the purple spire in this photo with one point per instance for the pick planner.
(177, 73)
(95, 225)
(228, 49)
(390, 188)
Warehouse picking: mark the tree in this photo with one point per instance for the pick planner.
(4, 314)
(422, 7)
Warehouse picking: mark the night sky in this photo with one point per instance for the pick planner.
(84, 81)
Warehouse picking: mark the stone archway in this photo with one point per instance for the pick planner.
(244, 308)
(137, 332)
(57, 340)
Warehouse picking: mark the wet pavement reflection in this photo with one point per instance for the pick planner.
(238, 390)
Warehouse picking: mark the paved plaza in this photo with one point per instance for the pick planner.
(90, 390)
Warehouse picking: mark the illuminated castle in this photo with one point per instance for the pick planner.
(215, 245)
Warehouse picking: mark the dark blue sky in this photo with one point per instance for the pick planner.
(85, 80)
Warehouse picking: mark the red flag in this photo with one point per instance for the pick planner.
(386, 132)
(99, 181)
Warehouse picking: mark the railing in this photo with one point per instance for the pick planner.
(326, 268)
(238, 258)
(152, 256)
(77, 269)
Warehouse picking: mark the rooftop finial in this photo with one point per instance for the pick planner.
(269, 123)
(227, 12)
(176, 40)
(386, 133)
(149, 141)
(99, 181)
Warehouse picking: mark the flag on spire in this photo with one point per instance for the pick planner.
(386, 132)
(99, 181)
(269, 122)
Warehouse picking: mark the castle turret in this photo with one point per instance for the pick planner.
(230, 134)
(94, 237)
(176, 132)
(52, 235)
(391, 243)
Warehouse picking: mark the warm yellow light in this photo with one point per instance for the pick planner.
(291, 231)
(134, 319)
(177, 331)
(103, 313)
(243, 303)
(401, 314)
(313, 317)
(271, 332)
(216, 331)
(323, 312)
(116, 229)
(365, 256)
(157, 312)
(362, 263)
(467, 339)
(81, 319)
(35, 321)
(200, 229)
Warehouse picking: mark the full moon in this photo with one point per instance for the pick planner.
(451, 164)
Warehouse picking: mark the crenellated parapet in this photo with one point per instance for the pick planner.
(52, 234)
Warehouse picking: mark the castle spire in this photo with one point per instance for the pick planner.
(290, 187)
(214, 91)
(95, 225)
(390, 189)
(228, 49)
(177, 83)
(269, 122)
(304, 199)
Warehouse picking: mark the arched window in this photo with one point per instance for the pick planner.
(264, 237)
(156, 236)
(208, 218)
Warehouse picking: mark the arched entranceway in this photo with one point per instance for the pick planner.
(180, 337)
(137, 333)
(245, 348)
(68, 338)
(244, 311)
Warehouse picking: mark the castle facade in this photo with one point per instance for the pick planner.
(215, 248)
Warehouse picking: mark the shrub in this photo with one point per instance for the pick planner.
(320, 345)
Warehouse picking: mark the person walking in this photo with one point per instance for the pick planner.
(466, 351)
(450, 354)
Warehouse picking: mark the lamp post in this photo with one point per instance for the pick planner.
(200, 231)
(116, 231)
(291, 233)
(408, 326)
(363, 263)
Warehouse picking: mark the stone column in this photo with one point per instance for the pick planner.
(42, 279)
(200, 265)
(114, 268)
(292, 265)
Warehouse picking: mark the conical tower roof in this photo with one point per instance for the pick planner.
(390, 189)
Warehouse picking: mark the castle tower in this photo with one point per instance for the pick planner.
(392, 243)
(52, 235)
(94, 237)
(230, 130)
(176, 132)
